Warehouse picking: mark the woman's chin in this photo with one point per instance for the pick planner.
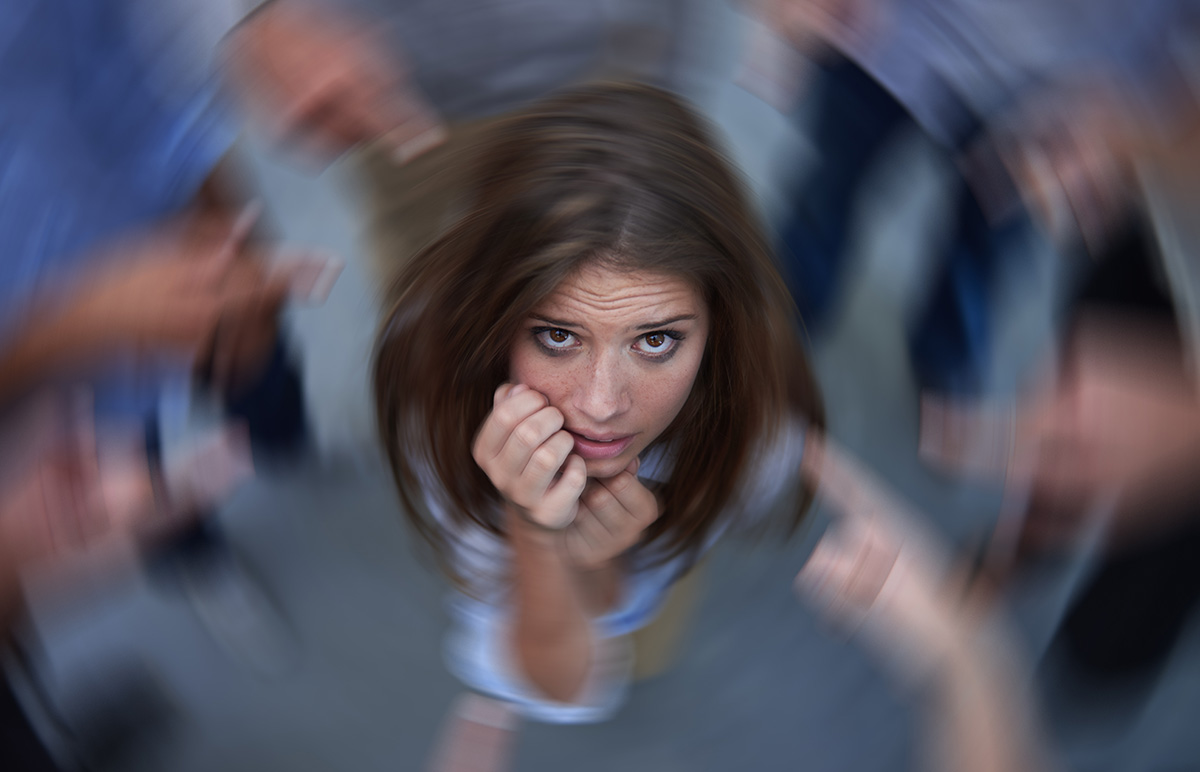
(604, 468)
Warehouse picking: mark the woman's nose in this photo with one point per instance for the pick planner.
(603, 393)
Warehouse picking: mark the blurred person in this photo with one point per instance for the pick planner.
(1031, 103)
(413, 86)
(52, 504)
(1102, 458)
(934, 628)
(126, 263)
(75, 492)
(549, 381)
(1046, 109)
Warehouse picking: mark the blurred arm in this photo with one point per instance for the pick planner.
(880, 575)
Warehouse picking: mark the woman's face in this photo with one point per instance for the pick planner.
(617, 353)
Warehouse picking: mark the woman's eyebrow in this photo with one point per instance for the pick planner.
(666, 322)
(555, 322)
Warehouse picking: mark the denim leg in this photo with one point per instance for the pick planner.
(854, 117)
(951, 341)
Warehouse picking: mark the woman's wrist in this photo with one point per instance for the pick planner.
(530, 533)
(600, 586)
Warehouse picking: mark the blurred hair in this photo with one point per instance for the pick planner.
(622, 175)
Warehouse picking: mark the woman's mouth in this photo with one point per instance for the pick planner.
(602, 447)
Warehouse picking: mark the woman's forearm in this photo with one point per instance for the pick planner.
(552, 631)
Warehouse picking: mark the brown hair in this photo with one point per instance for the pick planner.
(622, 174)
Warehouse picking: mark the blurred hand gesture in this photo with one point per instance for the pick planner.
(190, 288)
(65, 486)
(325, 81)
(877, 572)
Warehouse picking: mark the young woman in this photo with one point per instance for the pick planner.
(582, 384)
(588, 379)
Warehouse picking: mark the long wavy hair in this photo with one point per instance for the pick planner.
(623, 174)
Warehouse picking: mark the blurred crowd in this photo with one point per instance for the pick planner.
(147, 372)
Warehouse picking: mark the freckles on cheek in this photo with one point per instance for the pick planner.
(528, 368)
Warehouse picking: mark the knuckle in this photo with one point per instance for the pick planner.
(545, 459)
(505, 415)
(527, 435)
(598, 498)
(621, 483)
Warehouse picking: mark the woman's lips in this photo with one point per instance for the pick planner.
(595, 449)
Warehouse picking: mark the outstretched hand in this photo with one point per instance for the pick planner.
(878, 573)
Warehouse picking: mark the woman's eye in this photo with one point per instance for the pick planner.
(555, 338)
(656, 343)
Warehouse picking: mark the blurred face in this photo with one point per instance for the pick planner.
(617, 353)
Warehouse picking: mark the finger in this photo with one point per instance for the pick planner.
(415, 137)
(508, 413)
(587, 543)
(543, 466)
(605, 515)
(846, 573)
(561, 502)
(525, 439)
(629, 499)
(506, 390)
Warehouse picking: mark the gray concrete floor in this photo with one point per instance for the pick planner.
(759, 684)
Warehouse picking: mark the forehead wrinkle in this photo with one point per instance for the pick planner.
(581, 301)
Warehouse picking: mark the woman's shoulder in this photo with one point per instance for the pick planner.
(772, 474)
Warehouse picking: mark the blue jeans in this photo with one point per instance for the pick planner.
(855, 120)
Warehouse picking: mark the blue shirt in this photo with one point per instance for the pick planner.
(91, 146)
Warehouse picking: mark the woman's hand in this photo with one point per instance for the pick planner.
(612, 515)
(525, 452)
